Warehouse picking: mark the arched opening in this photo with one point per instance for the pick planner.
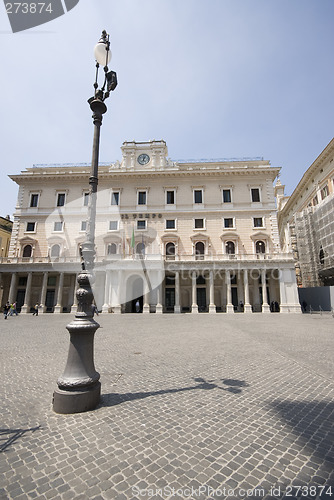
(230, 247)
(112, 249)
(260, 247)
(134, 295)
(199, 250)
(55, 251)
(140, 249)
(27, 251)
(170, 251)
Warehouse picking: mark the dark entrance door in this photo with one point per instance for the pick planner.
(50, 300)
(20, 299)
(170, 299)
(235, 297)
(201, 299)
(137, 305)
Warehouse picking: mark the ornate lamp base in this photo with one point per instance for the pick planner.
(76, 401)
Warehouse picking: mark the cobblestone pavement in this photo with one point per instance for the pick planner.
(210, 405)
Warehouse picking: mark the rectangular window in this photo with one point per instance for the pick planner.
(199, 223)
(83, 225)
(257, 222)
(113, 225)
(227, 196)
(170, 198)
(115, 198)
(86, 199)
(170, 280)
(255, 195)
(141, 197)
(324, 192)
(61, 199)
(170, 224)
(58, 226)
(52, 280)
(141, 224)
(198, 196)
(31, 226)
(34, 200)
(228, 222)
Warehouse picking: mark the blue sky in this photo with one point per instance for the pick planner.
(213, 78)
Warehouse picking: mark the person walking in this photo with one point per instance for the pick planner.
(6, 309)
(35, 313)
(14, 309)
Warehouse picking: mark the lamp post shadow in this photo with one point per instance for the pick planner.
(232, 385)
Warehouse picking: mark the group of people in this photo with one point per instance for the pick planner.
(9, 310)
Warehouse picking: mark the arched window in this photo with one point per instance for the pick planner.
(230, 247)
(140, 249)
(322, 256)
(27, 251)
(170, 251)
(260, 247)
(55, 251)
(112, 249)
(199, 250)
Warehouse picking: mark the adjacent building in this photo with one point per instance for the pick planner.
(306, 222)
(171, 236)
(5, 234)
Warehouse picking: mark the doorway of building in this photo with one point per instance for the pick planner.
(201, 299)
(169, 299)
(50, 300)
(235, 298)
(20, 299)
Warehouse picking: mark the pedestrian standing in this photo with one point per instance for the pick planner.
(6, 309)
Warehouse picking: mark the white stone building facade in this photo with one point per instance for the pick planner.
(171, 236)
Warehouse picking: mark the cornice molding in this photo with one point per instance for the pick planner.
(310, 172)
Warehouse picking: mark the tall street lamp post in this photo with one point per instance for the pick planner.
(79, 387)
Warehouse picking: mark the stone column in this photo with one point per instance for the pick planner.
(283, 305)
(146, 305)
(158, 308)
(27, 298)
(265, 305)
(74, 307)
(177, 307)
(1, 290)
(58, 306)
(229, 306)
(247, 306)
(117, 309)
(256, 294)
(105, 307)
(194, 306)
(12, 289)
(212, 306)
(43, 292)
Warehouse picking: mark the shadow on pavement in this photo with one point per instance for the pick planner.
(312, 422)
(9, 436)
(233, 386)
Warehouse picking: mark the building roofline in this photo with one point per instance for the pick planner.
(323, 156)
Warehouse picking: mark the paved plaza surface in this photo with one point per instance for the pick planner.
(193, 406)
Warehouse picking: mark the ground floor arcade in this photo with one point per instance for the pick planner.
(157, 289)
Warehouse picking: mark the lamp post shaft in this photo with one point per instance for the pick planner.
(79, 387)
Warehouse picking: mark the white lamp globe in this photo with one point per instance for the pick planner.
(101, 54)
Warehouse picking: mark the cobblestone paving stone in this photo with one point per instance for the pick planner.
(210, 405)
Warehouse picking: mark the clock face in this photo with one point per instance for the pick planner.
(143, 159)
